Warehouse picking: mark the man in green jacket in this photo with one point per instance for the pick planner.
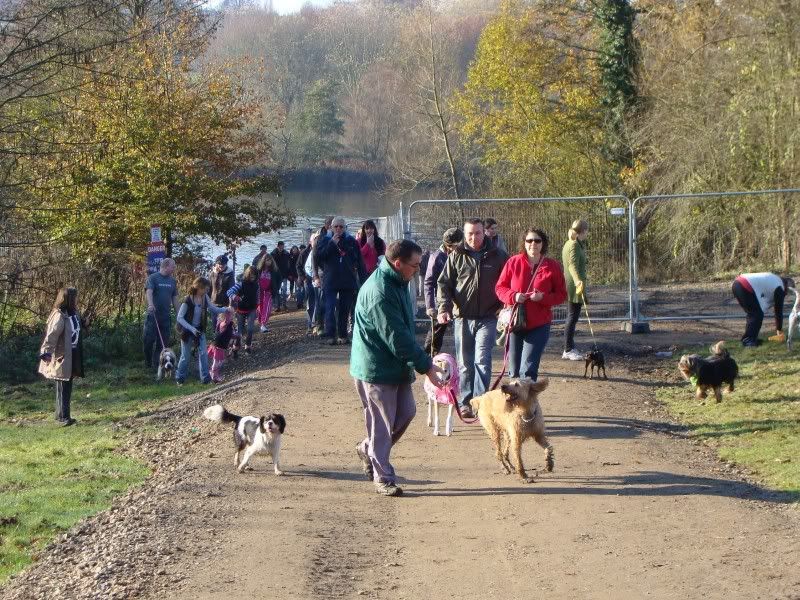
(383, 360)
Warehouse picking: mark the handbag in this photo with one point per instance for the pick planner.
(511, 318)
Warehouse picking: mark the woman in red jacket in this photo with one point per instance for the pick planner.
(536, 298)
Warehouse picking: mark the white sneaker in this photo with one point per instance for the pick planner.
(264, 329)
(572, 355)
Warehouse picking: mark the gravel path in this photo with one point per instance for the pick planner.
(632, 509)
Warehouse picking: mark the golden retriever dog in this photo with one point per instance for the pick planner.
(510, 415)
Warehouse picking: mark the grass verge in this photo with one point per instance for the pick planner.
(758, 425)
(50, 476)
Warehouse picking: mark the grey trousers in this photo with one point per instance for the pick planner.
(388, 411)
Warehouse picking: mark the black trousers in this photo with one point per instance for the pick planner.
(63, 397)
(755, 316)
(435, 338)
(573, 313)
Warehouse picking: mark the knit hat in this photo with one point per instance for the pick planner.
(222, 260)
(453, 236)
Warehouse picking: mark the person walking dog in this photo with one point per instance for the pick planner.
(573, 257)
(61, 353)
(536, 283)
(161, 293)
(384, 356)
(466, 290)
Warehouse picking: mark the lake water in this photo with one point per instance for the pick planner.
(312, 206)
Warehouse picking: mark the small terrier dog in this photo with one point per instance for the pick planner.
(251, 435)
(443, 396)
(510, 415)
(167, 361)
(595, 359)
(710, 373)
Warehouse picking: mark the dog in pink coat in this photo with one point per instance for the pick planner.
(445, 395)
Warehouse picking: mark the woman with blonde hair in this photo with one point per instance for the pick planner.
(61, 353)
(573, 256)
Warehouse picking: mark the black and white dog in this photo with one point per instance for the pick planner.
(252, 435)
(167, 361)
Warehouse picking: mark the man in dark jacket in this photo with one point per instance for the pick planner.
(450, 241)
(343, 272)
(466, 291)
(222, 280)
(384, 357)
(282, 258)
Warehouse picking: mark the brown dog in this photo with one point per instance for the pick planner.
(511, 415)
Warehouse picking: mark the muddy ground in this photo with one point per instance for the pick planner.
(632, 510)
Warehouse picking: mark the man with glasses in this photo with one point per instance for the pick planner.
(466, 291)
(384, 357)
(343, 272)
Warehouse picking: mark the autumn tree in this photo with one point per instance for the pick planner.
(530, 104)
(155, 141)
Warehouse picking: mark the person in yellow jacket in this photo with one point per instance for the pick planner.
(573, 257)
(61, 353)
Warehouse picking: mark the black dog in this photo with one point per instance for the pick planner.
(595, 358)
(710, 373)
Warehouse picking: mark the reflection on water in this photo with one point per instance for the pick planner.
(312, 206)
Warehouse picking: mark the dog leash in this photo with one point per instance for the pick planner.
(588, 320)
(454, 401)
(158, 329)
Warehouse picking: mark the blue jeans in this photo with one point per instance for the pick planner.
(525, 351)
(474, 339)
(337, 310)
(311, 301)
(247, 325)
(202, 357)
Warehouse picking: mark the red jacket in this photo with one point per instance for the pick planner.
(515, 279)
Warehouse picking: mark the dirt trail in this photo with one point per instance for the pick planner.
(629, 512)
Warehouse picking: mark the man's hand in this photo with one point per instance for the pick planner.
(444, 318)
(431, 312)
(778, 337)
(436, 375)
(579, 288)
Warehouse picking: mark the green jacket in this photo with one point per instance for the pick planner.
(573, 257)
(385, 348)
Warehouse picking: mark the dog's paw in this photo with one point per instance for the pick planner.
(435, 432)
(528, 479)
(278, 472)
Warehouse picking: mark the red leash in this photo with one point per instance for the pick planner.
(158, 329)
(505, 357)
(454, 401)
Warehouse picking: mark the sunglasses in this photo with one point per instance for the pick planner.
(533, 241)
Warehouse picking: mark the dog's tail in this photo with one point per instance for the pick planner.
(217, 412)
(719, 350)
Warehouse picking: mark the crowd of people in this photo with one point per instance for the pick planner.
(466, 282)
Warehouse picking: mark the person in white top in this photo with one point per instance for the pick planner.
(756, 294)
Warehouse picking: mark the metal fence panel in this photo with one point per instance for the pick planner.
(690, 247)
(608, 243)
